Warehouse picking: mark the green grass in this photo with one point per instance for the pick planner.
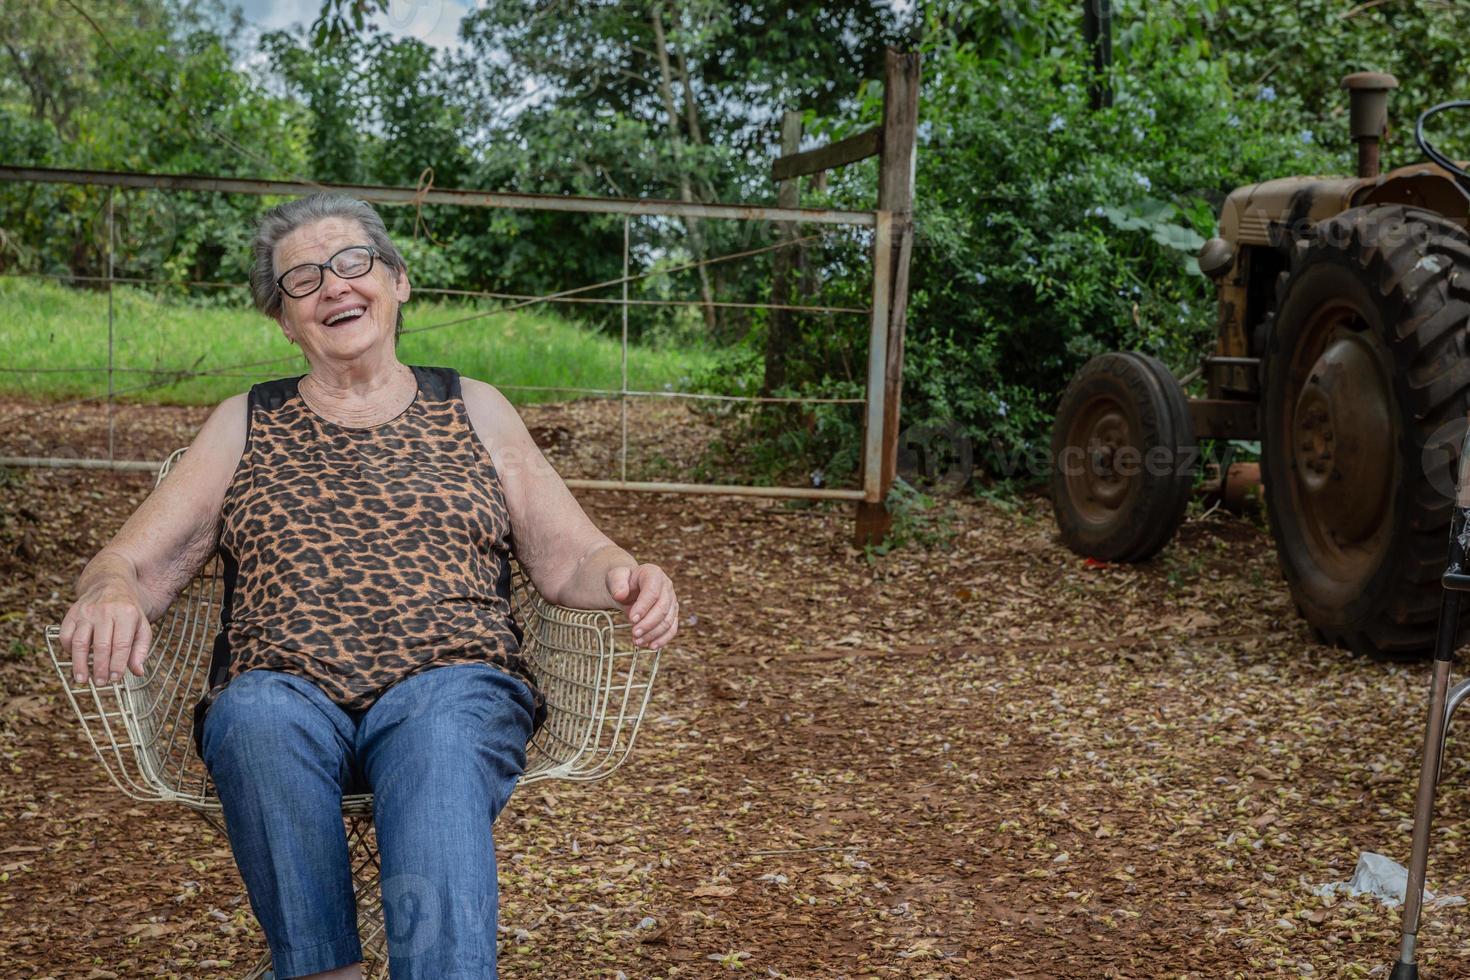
(48, 331)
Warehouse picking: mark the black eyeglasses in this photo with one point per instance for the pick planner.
(352, 262)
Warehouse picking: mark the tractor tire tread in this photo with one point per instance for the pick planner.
(1424, 275)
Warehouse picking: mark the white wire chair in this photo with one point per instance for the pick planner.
(596, 682)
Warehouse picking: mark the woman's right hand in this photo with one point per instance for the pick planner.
(107, 622)
(155, 553)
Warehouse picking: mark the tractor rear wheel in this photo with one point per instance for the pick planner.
(1365, 389)
(1123, 458)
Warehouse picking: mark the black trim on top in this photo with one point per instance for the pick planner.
(271, 395)
(220, 657)
(437, 384)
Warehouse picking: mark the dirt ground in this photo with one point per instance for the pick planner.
(994, 761)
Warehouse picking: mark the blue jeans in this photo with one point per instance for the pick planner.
(440, 751)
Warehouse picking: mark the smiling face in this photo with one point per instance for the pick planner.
(345, 319)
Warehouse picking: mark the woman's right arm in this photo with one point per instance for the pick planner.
(132, 580)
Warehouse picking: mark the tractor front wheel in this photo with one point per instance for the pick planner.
(1123, 458)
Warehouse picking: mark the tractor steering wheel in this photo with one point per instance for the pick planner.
(1461, 176)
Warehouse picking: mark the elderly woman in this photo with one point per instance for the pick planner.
(366, 513)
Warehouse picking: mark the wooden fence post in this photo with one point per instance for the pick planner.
(895, 194)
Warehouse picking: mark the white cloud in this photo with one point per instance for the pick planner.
(435, 22)
(273, 15)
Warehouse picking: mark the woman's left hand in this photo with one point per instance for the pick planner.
(648, 600)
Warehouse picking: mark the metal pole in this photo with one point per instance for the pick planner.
(1453, 582)
(1097, 32)
(75, 463)
(110, 192)
(877, 360)
(648, 486)
(458, 198)
(623, 392)
(1449, 617)
(781, 326)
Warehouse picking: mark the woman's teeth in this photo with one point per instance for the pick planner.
(338, 317)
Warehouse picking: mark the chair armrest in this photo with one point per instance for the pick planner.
(596, 682)
(142, 727)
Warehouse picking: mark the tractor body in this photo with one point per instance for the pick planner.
(1342, 347)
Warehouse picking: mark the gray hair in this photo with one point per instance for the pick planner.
(283, 219)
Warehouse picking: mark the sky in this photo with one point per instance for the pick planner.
(435, 22)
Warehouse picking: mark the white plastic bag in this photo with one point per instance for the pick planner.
(1384, 879)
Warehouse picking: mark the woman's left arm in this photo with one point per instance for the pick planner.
(569, 560)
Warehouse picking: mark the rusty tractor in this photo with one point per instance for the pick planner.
(1342, 348)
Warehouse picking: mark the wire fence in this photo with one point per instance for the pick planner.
(127, 381)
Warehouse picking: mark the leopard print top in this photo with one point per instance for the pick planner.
(358, 557)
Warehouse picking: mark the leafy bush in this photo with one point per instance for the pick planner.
(918, 519)
(1048, 232)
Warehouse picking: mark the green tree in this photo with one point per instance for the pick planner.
(330, 83)
(669, 99)
(152, 92)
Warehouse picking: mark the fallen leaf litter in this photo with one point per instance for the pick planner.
(991, 761)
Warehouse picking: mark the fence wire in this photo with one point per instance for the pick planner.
(161, 378)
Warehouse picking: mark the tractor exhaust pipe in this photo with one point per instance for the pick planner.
(1368, 100)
